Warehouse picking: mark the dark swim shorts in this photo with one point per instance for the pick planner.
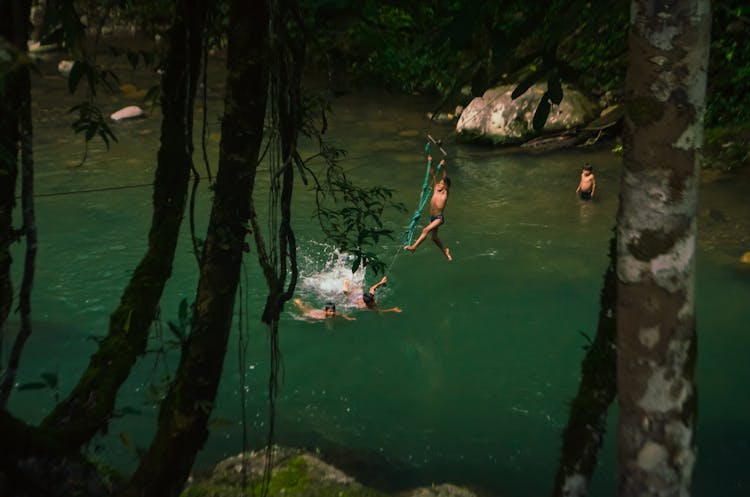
(585, 195)
(439, 216)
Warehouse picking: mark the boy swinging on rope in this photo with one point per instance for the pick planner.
(437, 206)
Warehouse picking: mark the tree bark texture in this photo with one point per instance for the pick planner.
(26, 137)
(656, 342)
(185, 411)
(89, 406)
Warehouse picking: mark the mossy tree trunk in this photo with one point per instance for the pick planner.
(656, 342)
(90, 405)
(185, 411)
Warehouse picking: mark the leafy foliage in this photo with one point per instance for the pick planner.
(729, 66)
(92, 123)
(349, 214)
(356, 227)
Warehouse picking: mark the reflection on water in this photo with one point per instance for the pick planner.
(587, 211)
(470, 384)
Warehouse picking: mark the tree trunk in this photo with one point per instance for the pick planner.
(26, 136)
(663, 133)
(185, 411)
(89, 406)
(14, 30)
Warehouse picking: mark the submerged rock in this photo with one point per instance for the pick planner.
(129, 112)
(131, 91)
(64, 67)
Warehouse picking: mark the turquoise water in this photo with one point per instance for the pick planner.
(470, 384)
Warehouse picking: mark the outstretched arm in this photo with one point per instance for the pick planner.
(348, 318)
(392, 309)
(442, 167)
(378, 284)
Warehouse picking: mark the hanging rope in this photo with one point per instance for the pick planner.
(424, 197)
(426, 190)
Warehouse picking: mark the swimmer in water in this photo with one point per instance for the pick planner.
(366, 300)
(328, 312)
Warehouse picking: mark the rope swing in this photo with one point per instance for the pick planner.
(426, 190)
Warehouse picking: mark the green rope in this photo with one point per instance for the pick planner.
(424, 197)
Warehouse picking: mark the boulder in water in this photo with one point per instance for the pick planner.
(497, 118)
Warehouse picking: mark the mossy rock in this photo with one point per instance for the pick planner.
(295, 473)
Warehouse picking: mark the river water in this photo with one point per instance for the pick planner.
(470, 384)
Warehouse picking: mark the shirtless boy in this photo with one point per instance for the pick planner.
(326, 313)
(587, 185)
(437, 206)
(367, 300)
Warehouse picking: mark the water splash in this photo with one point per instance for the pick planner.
(323, 269)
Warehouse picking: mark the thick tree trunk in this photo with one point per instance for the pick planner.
(185, 411)
(89, 406)
(665, 95)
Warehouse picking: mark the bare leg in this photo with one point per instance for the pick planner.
(302, 306)
(433, 225)
(442, 248)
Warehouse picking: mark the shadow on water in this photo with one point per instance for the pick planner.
(583, 436)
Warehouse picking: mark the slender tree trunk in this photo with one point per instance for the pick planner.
(29, 230)
(587, 421)
(656, 342)
(14, 30)
(89, 406)
(185, 411)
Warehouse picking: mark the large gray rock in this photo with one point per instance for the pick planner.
(496, 118)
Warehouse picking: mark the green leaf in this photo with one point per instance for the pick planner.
(525, 84)
(76, 72)
(554, 89)
(152, 95)
(541, 114)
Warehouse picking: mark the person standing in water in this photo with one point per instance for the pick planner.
(437, 207)
(587, 185)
